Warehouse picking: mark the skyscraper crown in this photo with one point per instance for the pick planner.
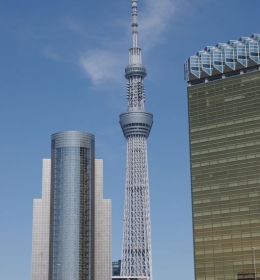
(224, 57)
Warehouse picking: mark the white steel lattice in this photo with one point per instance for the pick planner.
(136, 124)
(135, 93)
(137, 252)
(135, 56)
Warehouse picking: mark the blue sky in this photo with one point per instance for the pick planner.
(62, 68)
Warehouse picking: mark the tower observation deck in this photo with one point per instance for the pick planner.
(136, 124)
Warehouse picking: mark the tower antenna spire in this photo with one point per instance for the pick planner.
(134, 23)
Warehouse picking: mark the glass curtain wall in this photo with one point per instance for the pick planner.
(72, 206)
(224, 119)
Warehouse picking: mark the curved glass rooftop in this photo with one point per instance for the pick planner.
(233, 56)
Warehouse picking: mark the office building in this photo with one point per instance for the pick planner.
(116, 268)
(136, 124)
(102, 239)
(41, 227)
(72, 206)
(77, 216)
(224, 126)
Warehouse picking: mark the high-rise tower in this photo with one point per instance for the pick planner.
(224, 118)
(136, 124)
(72, 206)
(72, 221)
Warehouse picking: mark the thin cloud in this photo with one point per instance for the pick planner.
(75, 27)
(105, 65)
(51, 54)
(154, 21)
(101, 66)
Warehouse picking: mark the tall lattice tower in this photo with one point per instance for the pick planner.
(136, 124)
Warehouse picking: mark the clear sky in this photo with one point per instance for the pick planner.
(62, 68)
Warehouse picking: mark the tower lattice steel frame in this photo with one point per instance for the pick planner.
(136, 124)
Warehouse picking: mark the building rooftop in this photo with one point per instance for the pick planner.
(233, 56)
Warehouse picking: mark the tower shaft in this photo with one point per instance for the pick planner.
(137, 253)
(136, 124)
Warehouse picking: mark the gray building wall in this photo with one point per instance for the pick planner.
(41, 222)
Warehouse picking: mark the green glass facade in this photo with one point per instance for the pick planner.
(224, 119)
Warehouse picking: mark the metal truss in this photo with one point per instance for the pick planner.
(136, 123)
(137, 251)
(135, 92)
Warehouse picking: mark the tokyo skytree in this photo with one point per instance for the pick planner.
(136, 124)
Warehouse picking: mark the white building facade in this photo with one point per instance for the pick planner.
(103, 269)
(41, 227)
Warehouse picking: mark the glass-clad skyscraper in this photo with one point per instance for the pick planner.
(116, 267)
(72, 221)
(72, 206)
(224, 126)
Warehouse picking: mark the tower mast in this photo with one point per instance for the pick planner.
(136, 124)
(134, 23)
